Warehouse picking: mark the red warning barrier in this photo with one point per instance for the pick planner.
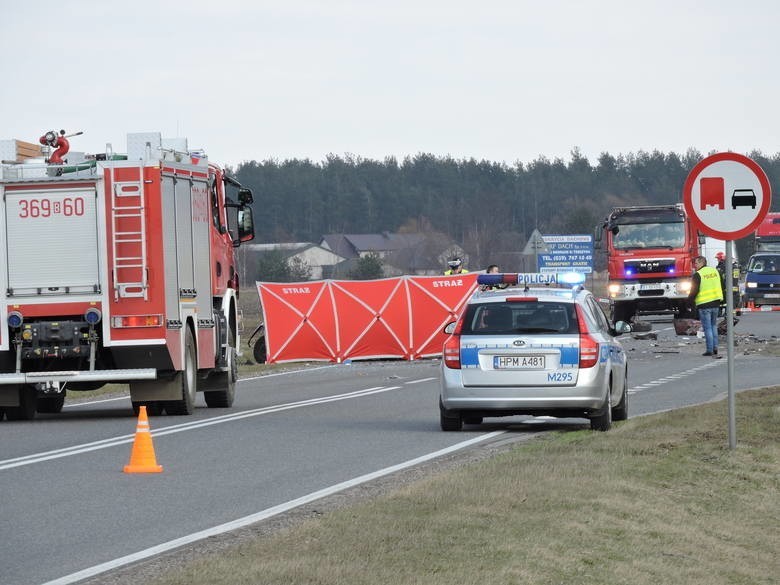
(336, 320)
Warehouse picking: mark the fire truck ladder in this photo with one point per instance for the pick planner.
(129, 238)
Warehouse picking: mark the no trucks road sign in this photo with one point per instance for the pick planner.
(727, 195)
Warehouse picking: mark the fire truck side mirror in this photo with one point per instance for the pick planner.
(245, 196)
(246, 225)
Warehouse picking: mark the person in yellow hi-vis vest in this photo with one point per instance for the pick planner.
(455, 267)
(707, 294)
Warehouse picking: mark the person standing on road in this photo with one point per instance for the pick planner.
(707, 294)
(493, 269)
(456, 267)
(721, 268)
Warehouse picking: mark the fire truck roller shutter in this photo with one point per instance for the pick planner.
(172, 309)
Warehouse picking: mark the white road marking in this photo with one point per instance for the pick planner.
(420, 380)
(263, 514)
(288, 373)
(127, 397)
(673, 378)
(119, 440)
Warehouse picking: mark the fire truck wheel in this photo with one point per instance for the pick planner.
(152, 408)
(189, 380)
(51, 404)
(28, 401)
(226, 382)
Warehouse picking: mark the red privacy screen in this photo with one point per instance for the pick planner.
(335, 320)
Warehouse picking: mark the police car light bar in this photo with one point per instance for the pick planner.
(494, 279)
(572, 278)
(532, 278)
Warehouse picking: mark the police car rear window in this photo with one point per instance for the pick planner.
(542, 317)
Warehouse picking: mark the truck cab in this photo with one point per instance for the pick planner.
(650, 251)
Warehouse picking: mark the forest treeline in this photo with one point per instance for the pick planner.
(489, 208)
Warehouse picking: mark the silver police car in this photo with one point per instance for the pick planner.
(533, 351)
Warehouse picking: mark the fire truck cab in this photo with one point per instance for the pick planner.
(650, 251)
(119, 268)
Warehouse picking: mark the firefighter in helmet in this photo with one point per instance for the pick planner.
(721, 265)
(721, 268)
(724, 275)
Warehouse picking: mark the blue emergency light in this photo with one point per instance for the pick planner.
(571, 278)
(568, 278)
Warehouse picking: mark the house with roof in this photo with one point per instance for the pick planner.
(318, 260)
(336, 255)
(406, 253)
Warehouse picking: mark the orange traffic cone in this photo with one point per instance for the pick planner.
(142, 458)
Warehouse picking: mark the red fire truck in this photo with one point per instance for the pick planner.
(650, 251)
(768, 234)
(121, 269)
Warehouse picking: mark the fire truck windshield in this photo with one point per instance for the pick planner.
(649, 235)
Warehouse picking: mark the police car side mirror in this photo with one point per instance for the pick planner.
(449, 328)
(622, 327)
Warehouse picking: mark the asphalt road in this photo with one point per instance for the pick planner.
(68, 511)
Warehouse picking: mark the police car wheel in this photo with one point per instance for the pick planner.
(620, 412)
(449, 420)
(602, 420)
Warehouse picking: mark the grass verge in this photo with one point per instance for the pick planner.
(659, 499)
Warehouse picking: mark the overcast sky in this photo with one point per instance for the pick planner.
(498, 80)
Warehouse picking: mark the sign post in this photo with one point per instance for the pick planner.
(727, 195)
(567, 253)
(535, 245)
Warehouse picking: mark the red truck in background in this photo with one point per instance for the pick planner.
(118, 268)
(768, 234)
(650, 251)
